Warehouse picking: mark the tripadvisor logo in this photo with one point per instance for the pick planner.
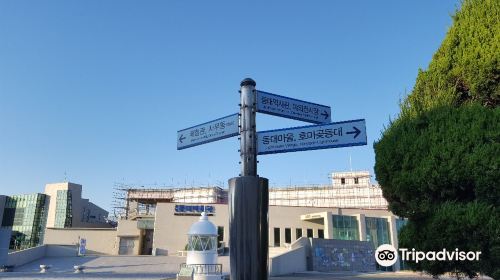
(386, 255)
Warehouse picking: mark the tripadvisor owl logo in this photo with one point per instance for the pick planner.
(386, 255)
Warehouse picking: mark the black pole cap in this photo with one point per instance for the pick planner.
(248, 82)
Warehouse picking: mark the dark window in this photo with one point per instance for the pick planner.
(8, 217)
(342, 181)
(276, 237)
(298, 233)
(356, 180)
(321, 233)
(309, 233)
(220, 235)
(288, 235)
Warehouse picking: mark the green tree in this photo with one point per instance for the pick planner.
(439, 162)
(466, 67)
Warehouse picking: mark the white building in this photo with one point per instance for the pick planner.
(68, 209)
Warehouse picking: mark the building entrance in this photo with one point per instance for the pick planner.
(147, 242)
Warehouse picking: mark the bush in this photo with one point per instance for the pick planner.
(444, 154)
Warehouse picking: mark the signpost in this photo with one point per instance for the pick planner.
(248, 193)
(312, 137)
(292, 108)
(218, 129)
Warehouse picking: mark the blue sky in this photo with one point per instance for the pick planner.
(97, 90)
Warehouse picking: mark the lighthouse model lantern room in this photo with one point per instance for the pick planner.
(202, 250)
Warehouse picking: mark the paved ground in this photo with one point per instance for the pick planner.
(160, 267)
(362, 276)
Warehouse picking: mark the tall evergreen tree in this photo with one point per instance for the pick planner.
(439, 162)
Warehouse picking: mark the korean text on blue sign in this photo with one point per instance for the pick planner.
(292, 108)
(194, 209)
(312, 137)
(208, 132)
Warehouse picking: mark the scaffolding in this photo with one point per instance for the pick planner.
(131, 202)
(347, 196)
(347, 190)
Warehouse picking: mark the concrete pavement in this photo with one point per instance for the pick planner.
(162, 267)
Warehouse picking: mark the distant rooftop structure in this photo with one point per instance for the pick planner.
(340, 179)
(348, 190)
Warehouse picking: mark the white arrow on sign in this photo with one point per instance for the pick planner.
(218, 129)
(292, 108)
(312, 137)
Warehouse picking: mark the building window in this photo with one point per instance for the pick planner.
(8, 217)
(288, 235)
(298, 233)
(377, 231)
(342, 181)
(321, 233)
(356, 180)
(220, 236)
(345, 227)
(277, 237)
(64, 216)
(26, 215)
(309, 233)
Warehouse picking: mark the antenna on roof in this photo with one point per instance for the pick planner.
(350, 161)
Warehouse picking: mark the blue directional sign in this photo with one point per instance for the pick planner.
(312, 137)
(208, 132)
(291, 108)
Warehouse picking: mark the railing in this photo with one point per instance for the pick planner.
(204, 268)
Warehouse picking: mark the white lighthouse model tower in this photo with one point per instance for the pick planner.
(202, 250)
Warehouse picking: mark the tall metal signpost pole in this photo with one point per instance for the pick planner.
(248, 131)
(248, 200)
(248, 193)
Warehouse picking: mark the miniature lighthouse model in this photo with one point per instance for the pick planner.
(202, 250)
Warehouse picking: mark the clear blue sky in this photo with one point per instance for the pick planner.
(98, 89)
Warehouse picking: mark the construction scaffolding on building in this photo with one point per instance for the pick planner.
(348, 190)
(131, 202)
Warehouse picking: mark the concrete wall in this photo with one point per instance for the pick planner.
(23, 257)
(170, 231)
(61, 251)
(99, 241)
(289, 262)
(26, 256)
(127, 229)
